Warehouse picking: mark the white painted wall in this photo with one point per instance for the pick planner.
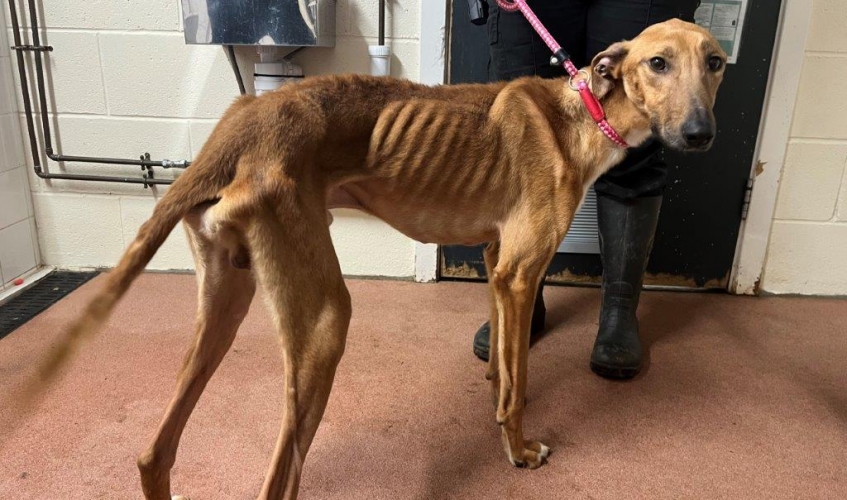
(807, 252)
(18, 245)
(125, 83)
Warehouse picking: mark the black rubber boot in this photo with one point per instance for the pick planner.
(482, 338)
(627, 228)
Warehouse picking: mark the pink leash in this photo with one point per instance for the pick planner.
(595, 109)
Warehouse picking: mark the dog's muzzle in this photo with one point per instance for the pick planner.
(698, 131)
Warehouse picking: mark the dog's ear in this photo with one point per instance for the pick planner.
(607, 68)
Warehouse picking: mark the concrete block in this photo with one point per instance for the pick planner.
(401, 19)
(30, 212)
(79, 230)
(810, 180)
(342, 17)
(841, 213)
(4, 37)
(826, 32)
(175, 254)
(124, 137)
(35, 183)
(822, 98)
(200, 131)
(158, 75)
(806, 258)
(405, 62)
(8, 88)
(33, 231)
(147, 15)
(13, 197)
(351, 56)
(11, 147)
(367, 246)
(72, 75)
(5, 163)
(17, 253)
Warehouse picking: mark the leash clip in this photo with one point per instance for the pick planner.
(582, 83)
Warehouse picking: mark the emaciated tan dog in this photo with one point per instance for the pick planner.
(457, 164)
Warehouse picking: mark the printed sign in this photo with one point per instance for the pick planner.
(725, 20)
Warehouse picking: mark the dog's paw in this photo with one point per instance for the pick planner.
(179, 497)
(534, 456)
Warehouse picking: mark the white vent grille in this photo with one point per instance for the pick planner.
(583, 236)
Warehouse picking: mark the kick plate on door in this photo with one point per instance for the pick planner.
(583, 236)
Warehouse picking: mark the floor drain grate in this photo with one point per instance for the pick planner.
(42, 295)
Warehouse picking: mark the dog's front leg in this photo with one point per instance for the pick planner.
(491, 255)
(526, 247)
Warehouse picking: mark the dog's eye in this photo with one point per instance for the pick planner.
(658, 64)
(715, 63)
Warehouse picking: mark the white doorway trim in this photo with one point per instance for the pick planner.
(433, 47)
(787, 63)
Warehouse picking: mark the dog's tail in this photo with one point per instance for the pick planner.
(187, 192)
(212, 171)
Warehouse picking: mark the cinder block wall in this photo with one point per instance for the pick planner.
(808, 247)
(18, 247)
(124, 82)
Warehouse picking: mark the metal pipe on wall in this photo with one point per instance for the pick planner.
(382, 22)
(234, 63)
(16, 34)
(144, 161)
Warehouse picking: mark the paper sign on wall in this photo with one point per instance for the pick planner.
(725, 20)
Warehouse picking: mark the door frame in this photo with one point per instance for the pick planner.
(769, 157)
(433, 70)
(771, 147)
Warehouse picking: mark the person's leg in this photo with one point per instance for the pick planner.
(629, 198)
(516, 50)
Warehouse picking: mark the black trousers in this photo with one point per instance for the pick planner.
(584, 28)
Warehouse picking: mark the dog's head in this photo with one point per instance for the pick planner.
(671, 72)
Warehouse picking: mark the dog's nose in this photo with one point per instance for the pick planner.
(698, 132)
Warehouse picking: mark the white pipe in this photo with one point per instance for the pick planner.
(380, 60)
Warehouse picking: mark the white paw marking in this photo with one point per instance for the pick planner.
(545, 451)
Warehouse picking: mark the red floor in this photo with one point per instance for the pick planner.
(744, 399)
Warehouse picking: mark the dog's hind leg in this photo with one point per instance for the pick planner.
(224, 297)
(296, 265)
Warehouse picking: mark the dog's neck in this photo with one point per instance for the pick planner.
(625, 117)
(602, 154)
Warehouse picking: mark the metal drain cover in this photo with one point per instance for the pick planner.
(42, 295)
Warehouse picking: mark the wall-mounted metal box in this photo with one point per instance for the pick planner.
(300, 23)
